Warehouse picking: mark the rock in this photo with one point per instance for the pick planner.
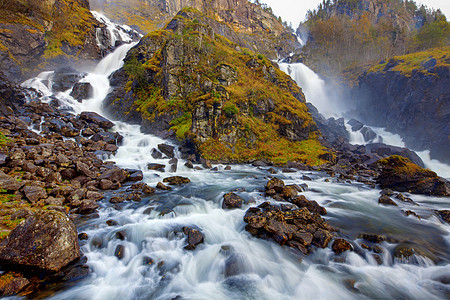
(95, 118)
(146, 189)
(368, 134)
(82, 91)
(83, 236)
(355, 124)
(167, 150)
(134, 197)
(8, 183)
(162, 186)
(34, 193)
(400, 174)
(176, 180)
(194, 237)
(227, 168)
(373, 238)
(386, 200)
(46, 240)
(116, 199)
(119, 252)
(105, 184)
(445, 215)
(11, 284)
(112, 223)
(156, 167)
(340, 245)
(65, 78)
(189, 164)
(322, 238)
(156, 154)
(389, 150)
(87, 207)
(275, 184)
(206, 163)
(84, 169)
(311, 205)
(406, 250)
(231, 200)
(96, 196)
(115, 175)
(135, 175)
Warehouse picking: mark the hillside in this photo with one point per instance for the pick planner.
(225, 101)
(250, 25)
(349, 33)
(37, 35)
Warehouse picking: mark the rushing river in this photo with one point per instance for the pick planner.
(232, 264)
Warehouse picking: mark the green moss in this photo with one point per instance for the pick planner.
(406, 64)
(403, 166)
(230, 110)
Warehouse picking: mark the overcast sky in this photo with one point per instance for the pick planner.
(295, 10)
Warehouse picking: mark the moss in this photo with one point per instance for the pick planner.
(406, 64)
(230, 110)
(403, 166)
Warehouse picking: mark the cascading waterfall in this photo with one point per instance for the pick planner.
(231, 264)
(315, 92)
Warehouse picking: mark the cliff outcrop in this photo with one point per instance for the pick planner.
(224, 101)
(250, 25)
(37, 35)
(409, 95)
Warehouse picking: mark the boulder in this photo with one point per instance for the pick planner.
(162, 186)
(176, 180)
(156, 167)
(167, 150)
(46, 240)
(65, 78)
(8, 183)
(384, 150)
(275, 184)
(445, 215)
(386, 200)
(355, 124)
(95, 118)
(115, 175)
(81, 91)
(34, 193)
(11, 284)
(194, 237)
(231, 200)
(400, 174)
(340, 245)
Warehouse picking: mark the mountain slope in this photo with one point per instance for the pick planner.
(250, 25)
(226, 102)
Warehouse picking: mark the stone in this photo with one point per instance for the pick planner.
(206, 163)
(116, 199)
(194, 237)
(83, 236)
(162, 186)
(445, 215)
(87, 207)
(105, 184)
(322, 238)
(34, 193)
(9, 183)
(176, 180)
(231, 200)
(47, 240)
(119, 252)
(168, 150)
(135, 175)
(156, 167)
(275, 184)
(146, 189)
(96, 196)
(115, 175)
(189, 164)
(386, 200)
(355, 124)
(84, 169)
(340, 245)
(82, 91)
(11, 284)
(373, 238)
(311, 205)
(95, 118)
(156, 154)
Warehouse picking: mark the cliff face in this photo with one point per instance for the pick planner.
(251, 25)
(227, 102)
(410, 95)
(37, 35)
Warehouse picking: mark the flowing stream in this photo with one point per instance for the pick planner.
(231, 264)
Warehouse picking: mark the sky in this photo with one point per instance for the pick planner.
(295, 10)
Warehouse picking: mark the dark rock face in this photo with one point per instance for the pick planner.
(11, 284)
(400, 174)
(445, 215)
(46, 240)
(65, 78)
(95, 118)
(231, 200)
(194, 237)
(82, 91)
(388, 150)
(340, 245)
(415, 106)
(330, 128)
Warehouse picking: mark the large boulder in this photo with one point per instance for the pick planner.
(95, 118)
(45, 240)
(82, 90)
(400, 174)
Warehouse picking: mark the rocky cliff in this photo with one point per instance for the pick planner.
(410, 95)
(227, 102)
(249, 25)
(36, 35)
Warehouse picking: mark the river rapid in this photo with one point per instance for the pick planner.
(232, 264)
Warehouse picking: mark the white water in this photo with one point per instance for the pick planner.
(315, 91)
(116, 32)
(263, 269)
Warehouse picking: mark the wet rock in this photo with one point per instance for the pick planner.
(373, 238)
(272, 171)
(115, 175)
(156, 167)
(116, 199)
(311, 205)
(65, 78)
(120, 235)
(322, 238)
(368, 134)
(9, 183)
(95, 118)
(206, 163)
(135, 175)
(46, 240)
(146, 189)
(136, 197)
(112, 223)
(83, 236)
(105, 184)
(156, 154)
(82, 91)
(402, 175)
(275, 184)
(84, 169)
(176, 180)
(96, 196)
(87, 207)
(194, 237)
(307, 178)
(340, 245)
(410, 212)
(386, 200)
(34, 193)
(12, 283)
(167, 150)
(355, 124)
(231, 200)
(227, 168)
(445, 215)
(189, 164)
(162, 186)
(119, 252)
(406, 250)
(289, 192)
